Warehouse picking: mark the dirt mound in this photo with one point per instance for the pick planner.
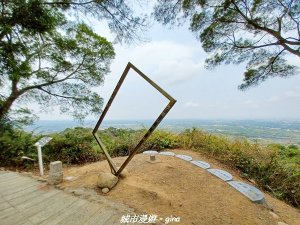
(174, 187)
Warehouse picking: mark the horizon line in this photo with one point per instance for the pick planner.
(168, 119)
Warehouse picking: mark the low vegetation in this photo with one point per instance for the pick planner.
(273, 167)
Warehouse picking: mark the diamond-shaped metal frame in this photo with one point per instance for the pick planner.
(171, 103)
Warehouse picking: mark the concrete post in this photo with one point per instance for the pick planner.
(55, 173)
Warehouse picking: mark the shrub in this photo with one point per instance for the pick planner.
(119, 142)
(72, 146)
(14, 144)
(275, 168)
(161, 139)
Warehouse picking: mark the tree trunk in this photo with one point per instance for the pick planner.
(6, 105)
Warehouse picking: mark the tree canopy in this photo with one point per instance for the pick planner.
(119, 15)
(261, 33)
(50, 56)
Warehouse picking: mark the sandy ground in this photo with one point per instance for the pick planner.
(176, 188)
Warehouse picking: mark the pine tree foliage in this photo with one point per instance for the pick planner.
(260, 33)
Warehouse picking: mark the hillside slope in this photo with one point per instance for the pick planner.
(174, 187)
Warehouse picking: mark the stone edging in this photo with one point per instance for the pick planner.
(251, 192)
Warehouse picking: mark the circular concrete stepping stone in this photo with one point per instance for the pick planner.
(249, 191)
(150, 152)
(167, 153)
(202, 164)
(222, 174)
(184, 157)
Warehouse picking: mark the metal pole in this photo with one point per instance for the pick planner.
(39, 148)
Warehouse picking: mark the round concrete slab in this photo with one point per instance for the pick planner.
(184, 157)
(222, 174)
(167, 153)
(202, 164)
(249, 191)
(150, 152)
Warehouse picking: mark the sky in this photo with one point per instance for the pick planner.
(174, 59)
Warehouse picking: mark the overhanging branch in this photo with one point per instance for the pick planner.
(282, 41)
(57, 95)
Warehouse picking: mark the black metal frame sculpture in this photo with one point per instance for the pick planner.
(171, 103)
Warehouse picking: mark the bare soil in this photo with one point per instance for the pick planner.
(175, 188)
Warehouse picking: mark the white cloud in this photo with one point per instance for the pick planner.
(165, 61)
(285, 96)
(251, 104)
(174, 60)
(292, 94)
(191, 104)
(274, 99)
(176, 71)
(293, 60)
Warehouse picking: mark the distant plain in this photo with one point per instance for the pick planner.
(285, 132)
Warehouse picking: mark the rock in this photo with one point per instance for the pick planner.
(55, 173)
(60, 187)
(275, 216)
(281, 223)
(70, 178)
(107, 180)
(79, 192)
(124, 173)
(253, 181)
(105, 190)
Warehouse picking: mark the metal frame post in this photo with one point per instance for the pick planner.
(171, 103)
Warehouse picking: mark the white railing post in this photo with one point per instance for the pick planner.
(39, 149)
(39, 146)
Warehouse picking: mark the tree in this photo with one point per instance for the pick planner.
(258, 32)
(54, 59)
(120, 17)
